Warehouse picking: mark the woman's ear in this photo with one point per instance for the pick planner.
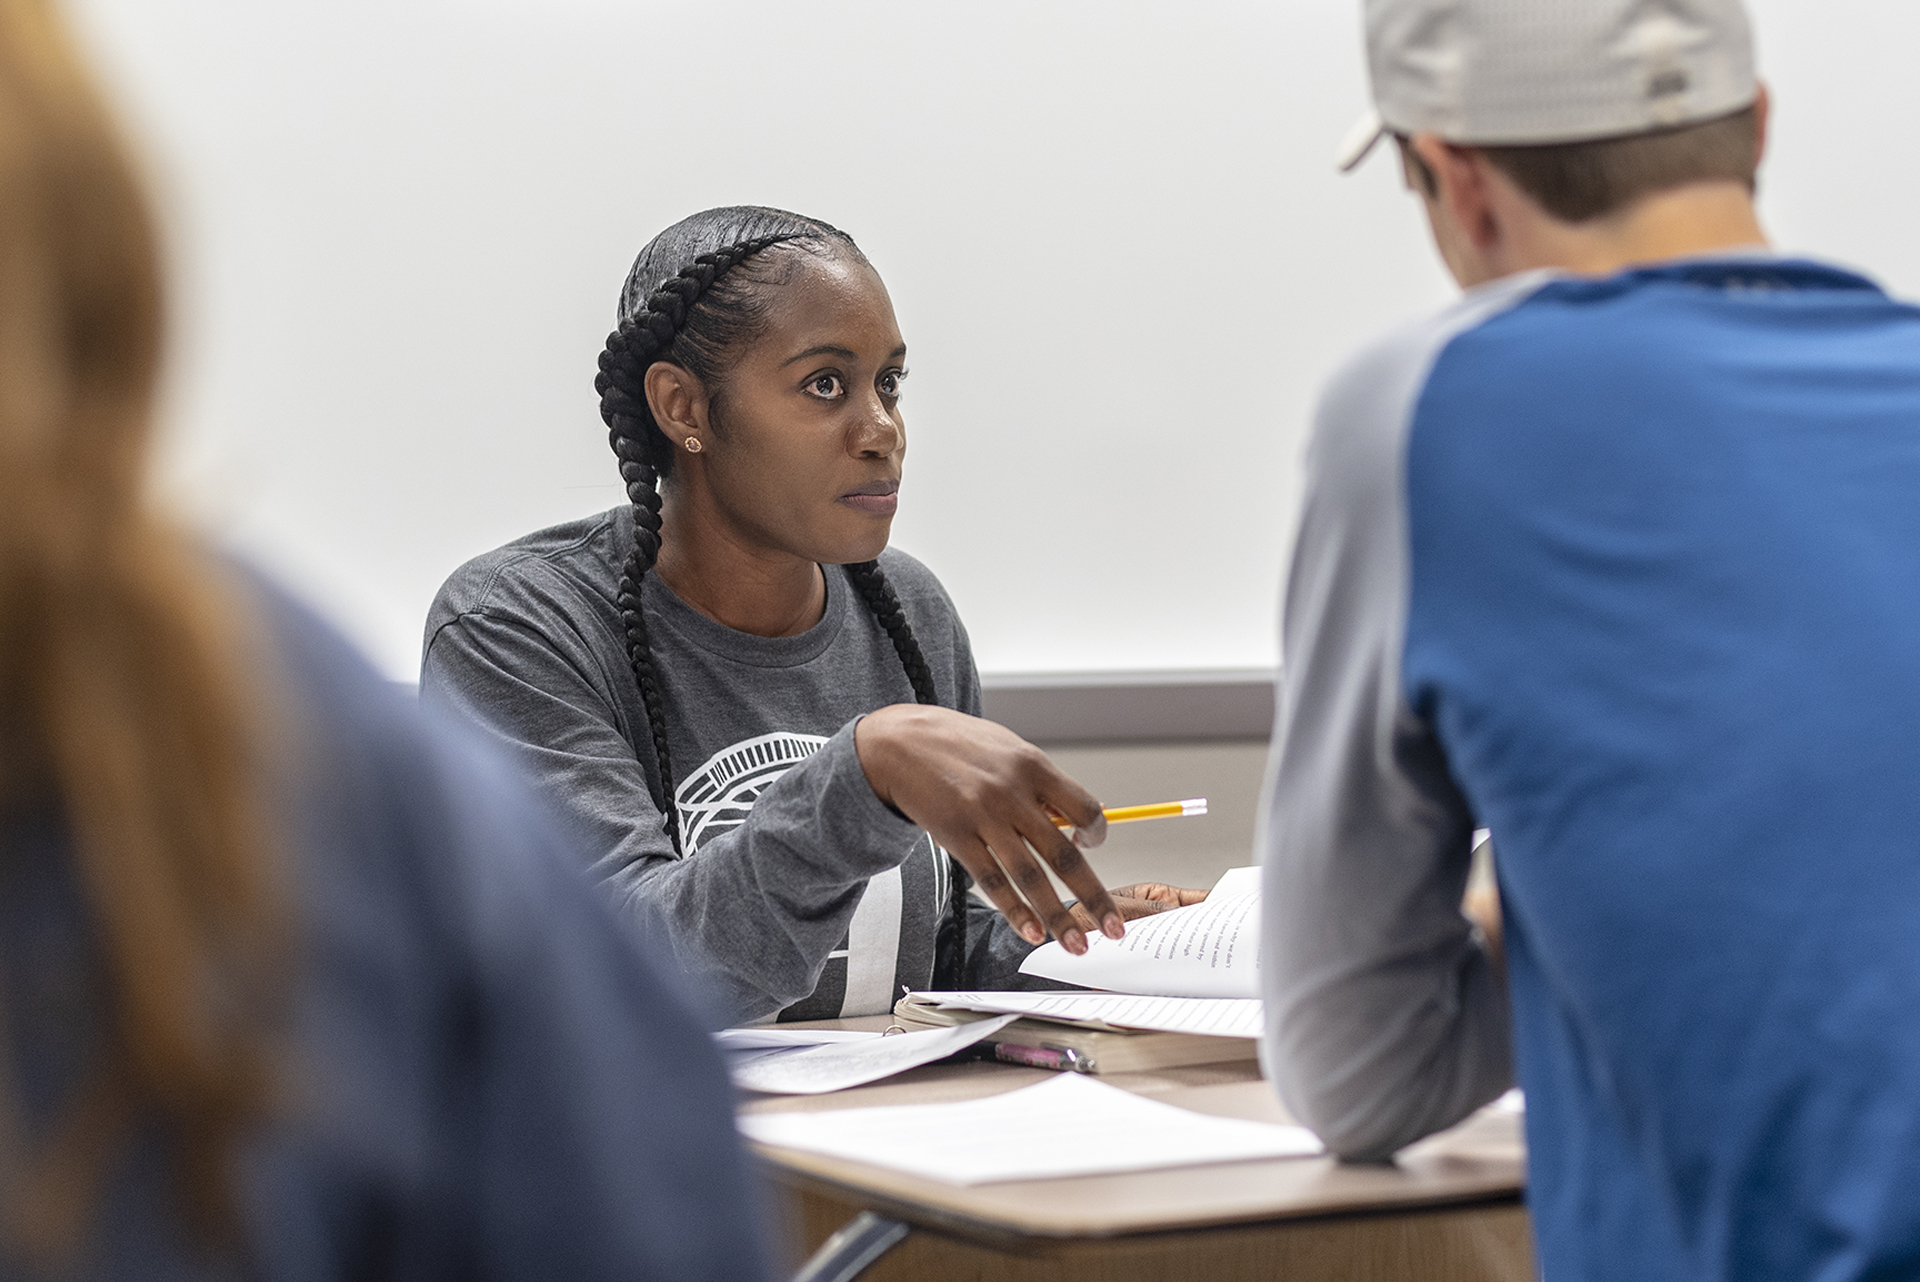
(679, 403)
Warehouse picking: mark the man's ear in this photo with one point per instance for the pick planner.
(1762, 109)
(679, 403)
(1462, 178)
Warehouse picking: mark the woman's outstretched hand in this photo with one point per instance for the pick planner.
(1144, 899)
(989, 797)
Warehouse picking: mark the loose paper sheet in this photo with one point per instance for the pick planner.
(815, 1070)
(1069, 1125)
(1212, 1016)
(1211, 949)
(731, 1040)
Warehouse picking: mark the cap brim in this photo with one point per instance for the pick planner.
(1360, 141)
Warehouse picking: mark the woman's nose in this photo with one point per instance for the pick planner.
(877, 435)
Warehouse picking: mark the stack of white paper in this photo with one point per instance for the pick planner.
(1210, 1016)
(760, 1037)
(1040, 1132)
(847, 1060)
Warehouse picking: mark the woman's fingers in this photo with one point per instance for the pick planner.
(994, 883)
(1062, 796)
(1030, 879)
(1017, 886)
(990, 797)
(1073, 869)
(1010, 876)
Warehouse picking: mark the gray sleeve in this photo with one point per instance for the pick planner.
(753, 914)
(967, 698)
(1386, 1019)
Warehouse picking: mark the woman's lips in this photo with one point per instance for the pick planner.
(872, 504)
(876, 498)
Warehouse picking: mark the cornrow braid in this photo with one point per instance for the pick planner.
(644, 453)
(880, 598)
(885, 604)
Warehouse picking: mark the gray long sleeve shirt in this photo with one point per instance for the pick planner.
(800, 892)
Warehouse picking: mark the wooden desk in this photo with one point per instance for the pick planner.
(1449, 1208)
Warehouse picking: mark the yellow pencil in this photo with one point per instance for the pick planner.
(1155, 810)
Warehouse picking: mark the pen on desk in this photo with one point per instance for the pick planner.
(1154, 810)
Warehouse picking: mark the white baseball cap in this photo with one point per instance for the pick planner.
(1494, 72)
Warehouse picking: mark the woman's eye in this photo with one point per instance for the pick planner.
(825, 386)
(890, 383)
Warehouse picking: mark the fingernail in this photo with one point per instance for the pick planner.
(1074, 941)
(1114, 927)
(1032, 933)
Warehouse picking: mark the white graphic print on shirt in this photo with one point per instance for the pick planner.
(717, 798)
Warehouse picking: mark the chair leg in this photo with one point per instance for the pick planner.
(857, 1243)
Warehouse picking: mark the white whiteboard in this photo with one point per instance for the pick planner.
(1112, 233)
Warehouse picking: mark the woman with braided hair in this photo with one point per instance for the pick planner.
(764, 721)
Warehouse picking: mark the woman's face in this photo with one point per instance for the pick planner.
(804, 444)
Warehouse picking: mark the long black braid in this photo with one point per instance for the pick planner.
(645, 453)
(689, 316)
(879, 596)
(885, 605)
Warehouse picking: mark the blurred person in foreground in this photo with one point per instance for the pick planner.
(1619, 557)
(292, 984)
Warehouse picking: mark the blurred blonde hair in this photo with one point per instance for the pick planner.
(124, 701)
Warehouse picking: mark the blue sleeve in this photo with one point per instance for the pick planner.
(604, 1143)
(503, 1084)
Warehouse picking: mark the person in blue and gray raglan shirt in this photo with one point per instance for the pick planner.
(1619, 557)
